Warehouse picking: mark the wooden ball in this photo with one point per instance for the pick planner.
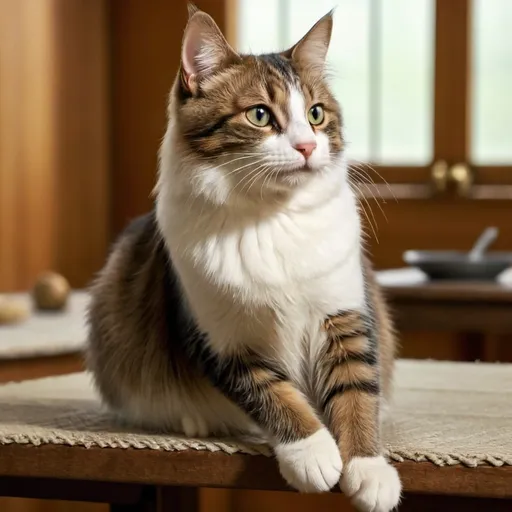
(51, 291)
(12, 311)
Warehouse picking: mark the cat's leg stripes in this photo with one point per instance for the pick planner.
(350, 398)
(307, 453)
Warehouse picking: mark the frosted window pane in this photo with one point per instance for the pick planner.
(492, 82)
(386, 96)
(347, 60)
(258, 26)
(406, 96)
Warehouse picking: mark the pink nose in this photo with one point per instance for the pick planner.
(305, 149)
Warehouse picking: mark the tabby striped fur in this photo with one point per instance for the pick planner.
(243, 304)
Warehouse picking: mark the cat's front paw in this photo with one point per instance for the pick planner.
(312, 464)
(372, 484)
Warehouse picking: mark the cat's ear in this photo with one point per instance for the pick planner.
(311, 50)
(204, 49)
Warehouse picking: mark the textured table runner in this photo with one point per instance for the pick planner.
(446, 413)
(46, 333)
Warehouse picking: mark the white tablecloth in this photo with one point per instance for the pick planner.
(45, 334)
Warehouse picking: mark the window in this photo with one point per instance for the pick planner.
(381, 66)
(420, 83)
(492, 82)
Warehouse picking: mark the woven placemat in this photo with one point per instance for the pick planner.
(46, 333)
(446, 413)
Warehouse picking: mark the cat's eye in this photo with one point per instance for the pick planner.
(258, 116)
(316, 115)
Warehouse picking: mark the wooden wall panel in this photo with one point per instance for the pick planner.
(26, 157)
(435, 224)
(25, 505)
(82, 133)
(53, 139)
(146, 42)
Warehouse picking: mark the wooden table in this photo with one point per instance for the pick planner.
(46, 343)
(150, 481)
(145, 480)
(480, 313)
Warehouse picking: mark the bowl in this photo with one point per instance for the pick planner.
(456, 265)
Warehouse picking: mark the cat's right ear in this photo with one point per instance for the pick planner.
(311, 50)
(204, 49)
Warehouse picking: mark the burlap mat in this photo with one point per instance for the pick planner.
(445, 413)
(46, 333)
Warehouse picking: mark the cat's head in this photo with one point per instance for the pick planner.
(255, 122)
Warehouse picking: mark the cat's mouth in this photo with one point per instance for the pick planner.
(297, 168)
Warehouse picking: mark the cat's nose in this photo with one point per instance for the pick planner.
(305, 149)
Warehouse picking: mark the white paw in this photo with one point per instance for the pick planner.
(312, 464)
(372, 484)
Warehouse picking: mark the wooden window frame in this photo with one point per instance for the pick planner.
(451, 123)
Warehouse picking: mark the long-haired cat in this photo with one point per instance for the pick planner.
(243, 305)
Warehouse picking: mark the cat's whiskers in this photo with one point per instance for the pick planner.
(246, 177)
(371, 193)
(365, 167)
(275, 172)
(361, 207)
(255, 179)
(374, 224)
(254, 176)
(361, 196)
(267, 179)
(238, 169)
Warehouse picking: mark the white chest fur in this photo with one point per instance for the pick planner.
(267, 279)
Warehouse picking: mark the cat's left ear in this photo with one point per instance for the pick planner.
(204, 49)
(311, 50)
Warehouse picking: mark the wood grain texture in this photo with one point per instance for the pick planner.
(467, 292)
(33, 505)
(53, 139)
(146, 46)
(431, 503)
(26, 153)
(452, 80)
(457, 316)
(434, 224)
(37, 367)
(204, 469)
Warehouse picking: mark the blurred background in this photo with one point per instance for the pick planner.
(425, 87)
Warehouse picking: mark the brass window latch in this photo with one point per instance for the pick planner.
(459, 175)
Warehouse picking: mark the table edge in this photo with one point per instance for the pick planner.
(191, 468)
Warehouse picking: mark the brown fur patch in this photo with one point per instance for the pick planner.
(213, 120)
(292, 408)
(129, 331)
(354, 423)
(355, 370)
(351, 385)
(347, 323)
(353, 373)
(387, 342)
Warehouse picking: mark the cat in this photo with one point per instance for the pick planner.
(244, 305)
